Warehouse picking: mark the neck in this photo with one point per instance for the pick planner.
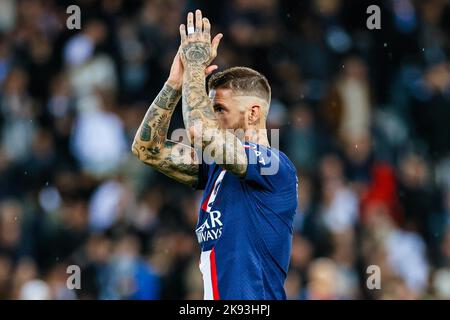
(258, 136)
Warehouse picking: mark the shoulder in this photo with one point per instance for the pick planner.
(271, 162)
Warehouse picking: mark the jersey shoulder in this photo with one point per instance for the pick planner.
(270, 164)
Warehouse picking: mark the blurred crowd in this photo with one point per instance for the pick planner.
(364, 115)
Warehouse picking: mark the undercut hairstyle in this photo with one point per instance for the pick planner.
(242, 81)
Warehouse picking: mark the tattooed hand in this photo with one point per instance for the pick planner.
(175, 79)
(196, 47)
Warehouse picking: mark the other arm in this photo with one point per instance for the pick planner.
(152, 147)
(197, 52)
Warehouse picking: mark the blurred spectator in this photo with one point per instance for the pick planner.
(322, 277)
(103, 154)
(406, 253)
(382, 191)
(420, 200)
(339, 204)
(348, 109)
(441, 284)
(81, 47)
(303, 143)
(8, 15)
(430, 108)
(17, 113)
(127, 275)
(35, 290)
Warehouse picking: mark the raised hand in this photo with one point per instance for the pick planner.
(196, 46)
(175, 79)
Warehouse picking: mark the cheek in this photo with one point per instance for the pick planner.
(230, 119)
(222, 120)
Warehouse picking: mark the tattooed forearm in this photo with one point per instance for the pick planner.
(168, 98)
(154, 127)
(146, 132)
(152, 147)
(197, 107)
(226, 148)
(176, 161)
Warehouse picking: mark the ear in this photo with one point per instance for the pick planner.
(254, 114)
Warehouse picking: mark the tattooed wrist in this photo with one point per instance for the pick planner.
(168, 97)
(174, 84)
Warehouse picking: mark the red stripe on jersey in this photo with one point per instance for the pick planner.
(205, 203)
(215, 285)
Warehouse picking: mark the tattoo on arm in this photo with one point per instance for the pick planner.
(197, 53)
(177, 161)
(168, 98)
(150, 144)
(154, 127)
(198, 111)
(146, 132)
(197, 107)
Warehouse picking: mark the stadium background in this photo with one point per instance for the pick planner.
(363, 114)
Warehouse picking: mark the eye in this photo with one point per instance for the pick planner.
(218, 109)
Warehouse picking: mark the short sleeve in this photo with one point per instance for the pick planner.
(265, 168)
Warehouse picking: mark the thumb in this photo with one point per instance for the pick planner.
(215, 43)
(210, 69)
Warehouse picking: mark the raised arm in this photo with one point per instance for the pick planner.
(150, 143)
(152, 147)
(197, 52)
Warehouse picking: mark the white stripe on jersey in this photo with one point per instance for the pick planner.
(215, 190)
(205, 268)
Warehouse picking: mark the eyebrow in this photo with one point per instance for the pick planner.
(218, 104)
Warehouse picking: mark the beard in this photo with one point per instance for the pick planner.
(239, 124)
(239, 128)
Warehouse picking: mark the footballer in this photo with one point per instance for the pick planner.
(250, 189)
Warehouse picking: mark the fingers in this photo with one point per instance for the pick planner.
(202, 30)
(210, 69)
(190, 24)
(198, 21)
(183, 33)
(206, 29)
(215, 43)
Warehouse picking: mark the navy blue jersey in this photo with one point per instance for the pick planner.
(245, 226)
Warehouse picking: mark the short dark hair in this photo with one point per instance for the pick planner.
(241, 80)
